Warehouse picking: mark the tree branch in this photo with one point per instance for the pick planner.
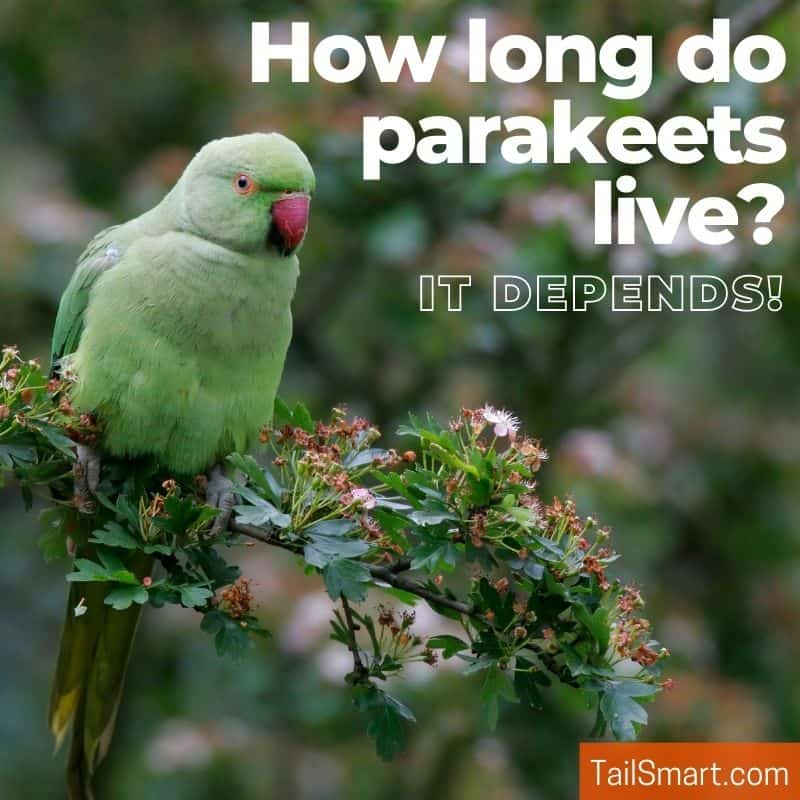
(745, 22)
(360, 671)
(265, 535)
(387, 574)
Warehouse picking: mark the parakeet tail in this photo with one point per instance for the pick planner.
(87, 689)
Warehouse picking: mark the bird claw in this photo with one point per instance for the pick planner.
(86, 477)
(220, 495)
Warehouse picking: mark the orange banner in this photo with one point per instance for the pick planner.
(690, 771)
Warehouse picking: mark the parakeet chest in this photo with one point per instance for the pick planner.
(183, 349)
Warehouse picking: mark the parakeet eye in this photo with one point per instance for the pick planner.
(244, 184)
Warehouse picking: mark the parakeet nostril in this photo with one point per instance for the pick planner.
(290, 219)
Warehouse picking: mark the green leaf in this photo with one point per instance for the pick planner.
(213, 622)
(623, 715)
(182, 514)
(42, 473)
(393, 506)
(549, 550)
(400, 708)
(501, 604)
(258, 476)
(230, 638)
(508, 501)
(390, 520)
(114, 535)
(434, 556)
(87, 571)
(618, 707)
(443, 440)
(449, 645)
(321, 550)
(630, 687)
(215, 567)
(413, 429)
(480, 491)
(194, 596)
(12, 455)
(360, 458)
(386, 729)
(526, 684)
(115, 568)
(123, 597)
(496, 685)
(444, 455)
(62, 443)
(331, 527)
(530, 567)
(327, 542)
(346, 577)
(260, 512)
(395, 482)
(597, 625)
(302, 418)
(282, 414)
(386, 715)
(474, 664)
(576, 664)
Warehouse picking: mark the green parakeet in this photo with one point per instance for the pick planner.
(176, 326)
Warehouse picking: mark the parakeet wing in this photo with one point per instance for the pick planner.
(100, 254)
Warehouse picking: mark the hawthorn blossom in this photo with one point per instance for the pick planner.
(364, 497)
(505, 423)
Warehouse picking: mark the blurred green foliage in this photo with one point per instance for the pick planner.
(679, 430)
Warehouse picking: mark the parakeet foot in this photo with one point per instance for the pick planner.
(219, 494)
(86, 477)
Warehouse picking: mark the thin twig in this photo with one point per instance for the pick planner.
(360, 671)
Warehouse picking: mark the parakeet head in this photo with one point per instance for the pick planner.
(248, 193)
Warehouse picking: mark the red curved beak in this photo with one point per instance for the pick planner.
(290, 218)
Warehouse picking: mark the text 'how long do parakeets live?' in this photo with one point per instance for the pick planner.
(622, 68)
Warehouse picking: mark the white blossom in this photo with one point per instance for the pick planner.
(505, 423)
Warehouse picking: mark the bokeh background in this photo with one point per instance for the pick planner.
(681, 431)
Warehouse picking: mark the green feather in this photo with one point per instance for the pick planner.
(69, 320)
